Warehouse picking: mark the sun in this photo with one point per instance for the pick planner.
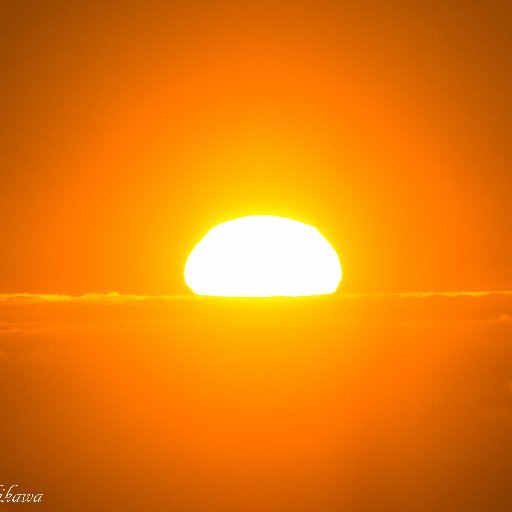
(263, 256)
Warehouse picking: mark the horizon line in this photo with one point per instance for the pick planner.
(116, 297)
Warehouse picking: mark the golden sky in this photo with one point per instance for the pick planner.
(359, 402)
(128, 130)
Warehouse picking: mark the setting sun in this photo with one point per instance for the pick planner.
(263, 256)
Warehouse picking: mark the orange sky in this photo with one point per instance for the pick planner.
(318, 404)
(128, 130)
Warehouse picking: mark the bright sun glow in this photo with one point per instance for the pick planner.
(263, 256)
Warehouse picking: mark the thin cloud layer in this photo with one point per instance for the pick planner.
(27, 313)
(118, 298)
(101, 298)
